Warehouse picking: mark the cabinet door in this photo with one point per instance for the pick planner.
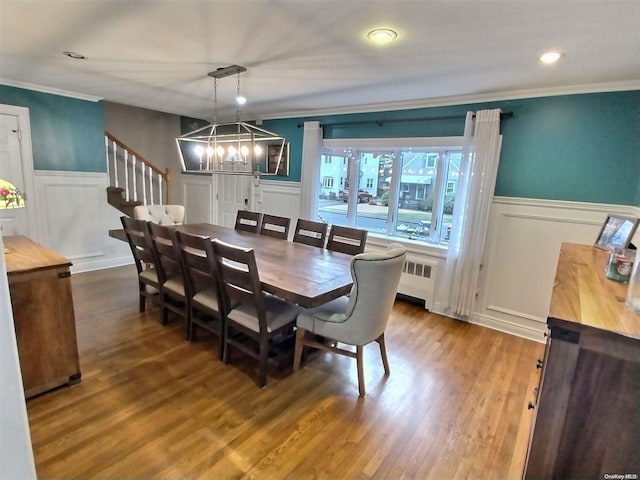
(45, 328)
(551, 407)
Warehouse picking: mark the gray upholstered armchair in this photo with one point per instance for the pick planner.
(360, 318)
(160, 214)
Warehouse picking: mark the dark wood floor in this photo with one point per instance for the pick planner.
(151, 405)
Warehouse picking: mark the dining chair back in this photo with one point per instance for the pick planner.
(310, 233)
(346, 240)
(202, 287)
(275, 226)
(170, 272)
(360, 318)
(248, 221)
(139, 239)
(263, 319)
(162, 214)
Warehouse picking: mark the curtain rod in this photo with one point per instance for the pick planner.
(380, 123)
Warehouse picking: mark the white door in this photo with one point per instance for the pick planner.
(14, 220)
(235, 192)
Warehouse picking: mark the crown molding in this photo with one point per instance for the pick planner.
(51, 90)
(466, 99)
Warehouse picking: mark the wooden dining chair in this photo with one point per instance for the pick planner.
(202, 288)
(346, 240)
(248, 221)
(360, 318)
(138, 236)
(275, 226)
(310, 233)
(263, 320)
(170, 273)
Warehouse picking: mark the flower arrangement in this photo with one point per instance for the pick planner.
(10, 196)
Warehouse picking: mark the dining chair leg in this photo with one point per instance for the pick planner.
(360, 365)
(143, 297)
(222, 345)
(383, 353)
(264, 359)
(225, 348)
(297, 352)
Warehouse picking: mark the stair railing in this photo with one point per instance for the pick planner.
(140, 179)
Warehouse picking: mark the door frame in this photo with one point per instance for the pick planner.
(26, 153)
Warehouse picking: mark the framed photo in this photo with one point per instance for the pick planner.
(616, 232)
(278, 159)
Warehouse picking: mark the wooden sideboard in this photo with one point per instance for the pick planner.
(586, 420)
(42, 303)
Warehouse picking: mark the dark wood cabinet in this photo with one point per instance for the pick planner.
(586, 420)
(42, 303)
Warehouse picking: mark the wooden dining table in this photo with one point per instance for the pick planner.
(302, 274)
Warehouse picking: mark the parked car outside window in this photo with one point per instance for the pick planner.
(363, 196)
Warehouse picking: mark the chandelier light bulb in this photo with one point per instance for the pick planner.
(240, 100)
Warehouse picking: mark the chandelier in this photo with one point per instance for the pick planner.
(235, 148)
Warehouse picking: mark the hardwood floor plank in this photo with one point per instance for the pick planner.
(152, 405)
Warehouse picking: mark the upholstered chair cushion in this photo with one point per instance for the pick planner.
(160, 214)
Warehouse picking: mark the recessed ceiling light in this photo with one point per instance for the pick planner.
(550, 57)
(74, 55)
(382, 36)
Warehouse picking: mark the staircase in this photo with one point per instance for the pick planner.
(133, 180)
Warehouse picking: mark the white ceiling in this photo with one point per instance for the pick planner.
(306, 57)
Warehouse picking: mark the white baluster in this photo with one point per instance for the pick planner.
(133, 176)
(160, 189)
(126, 175)
(151, 185)
(144, 186)
(115, 163)
(106, 152)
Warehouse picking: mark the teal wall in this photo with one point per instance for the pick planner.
(574, 147)
(66, 133)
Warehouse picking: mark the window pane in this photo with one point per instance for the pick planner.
(453, 171)
(333, 174)
(374, 177)
(418, 174)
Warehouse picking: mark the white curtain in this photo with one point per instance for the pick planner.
(476, 185)
(310, 175)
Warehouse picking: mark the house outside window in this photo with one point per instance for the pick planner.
(399, 188)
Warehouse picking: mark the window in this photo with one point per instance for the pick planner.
(402, 188)
(327, 182)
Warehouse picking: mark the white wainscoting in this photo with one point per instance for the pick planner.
(198, 198)
(279, 198)
(520, 261)
(74, 219)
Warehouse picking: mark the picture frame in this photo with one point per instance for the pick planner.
(616, 232)
(273, 154)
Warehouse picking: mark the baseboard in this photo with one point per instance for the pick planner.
(101, 264)
(534, 334)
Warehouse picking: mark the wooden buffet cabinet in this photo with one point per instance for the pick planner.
(40, 289)
(587, 412)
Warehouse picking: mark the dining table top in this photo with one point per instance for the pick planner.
(302, 274)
